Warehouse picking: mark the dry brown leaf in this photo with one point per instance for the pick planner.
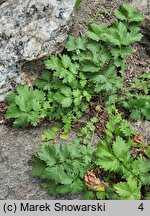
(138, 138)
(93, 182)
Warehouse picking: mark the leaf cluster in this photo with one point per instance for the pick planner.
(136, 98)
(65, 88)
(56, 131)
(96, 64)
(114, 155)
(62, 166)
(102, 52)
(26, 106)
(86, 133)
(88, 66)
(127, 13)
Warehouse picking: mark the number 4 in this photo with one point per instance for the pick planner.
(141, 207)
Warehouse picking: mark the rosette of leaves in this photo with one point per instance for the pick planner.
(26, 106)
(114, 155)
(62, 167)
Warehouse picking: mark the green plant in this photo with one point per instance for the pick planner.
(62, 166)
(87, 133)
(26, 106)
(127, 13)
(95, 65)
(96, 15)
(106, 11)
(140, 85)
(128, 23)
(78, 2)
(138, 105)
(113, 41)
(65, 88)
(101, 54)
(114, 155)
(48, 135)
(56, 131)
(136, 98)
(89, 66)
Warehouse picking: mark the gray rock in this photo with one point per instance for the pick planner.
(2, 1)
(16, 148)
(144, 128)
(142, 5)
(30, 30)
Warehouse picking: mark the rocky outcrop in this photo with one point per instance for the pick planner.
(30, 30)
(144, 128)
(2, 1)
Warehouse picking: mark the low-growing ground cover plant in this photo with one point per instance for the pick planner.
(91, 66)
(136, 98)
(62, 167)
(115, 154)
(26, 106)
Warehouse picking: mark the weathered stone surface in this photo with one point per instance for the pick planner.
(30, 30)
(142, 5)
(2, 1)
(144, 128)
(16, 148)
